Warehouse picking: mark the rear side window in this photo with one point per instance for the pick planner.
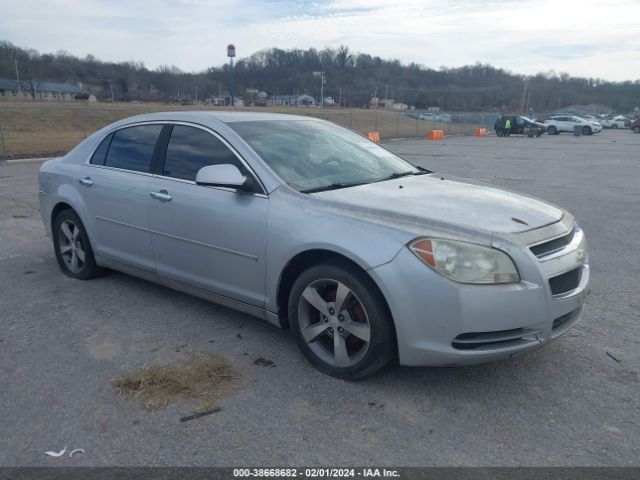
(190, 149)
(132, 148)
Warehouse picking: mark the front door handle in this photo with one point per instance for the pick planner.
(162, 195)
(86, 181)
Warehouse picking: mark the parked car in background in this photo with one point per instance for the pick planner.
(519, 126)
(635, 126)
(312, 227)
(616, 122)
(566, 123)
(435, 117)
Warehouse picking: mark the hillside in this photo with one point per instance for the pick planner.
(351, 79)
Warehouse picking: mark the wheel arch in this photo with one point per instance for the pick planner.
(305, 259)
(68, 198)
(57, 209)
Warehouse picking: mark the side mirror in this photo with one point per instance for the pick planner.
(224, 175)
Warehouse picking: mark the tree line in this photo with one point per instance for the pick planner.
(352, 79)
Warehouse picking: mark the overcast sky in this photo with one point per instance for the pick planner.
(582, 37)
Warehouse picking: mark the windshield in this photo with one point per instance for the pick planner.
(311, 156)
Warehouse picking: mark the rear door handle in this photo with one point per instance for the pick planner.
(162, 195)
(86, 181)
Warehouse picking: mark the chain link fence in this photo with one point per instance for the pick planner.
(43, 129)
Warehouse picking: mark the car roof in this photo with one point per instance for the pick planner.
(208, 116)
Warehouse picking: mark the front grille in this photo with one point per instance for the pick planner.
(565, 282)
(547, 248)
(494, 340)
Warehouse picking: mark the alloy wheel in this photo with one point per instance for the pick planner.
(70, 245)
(334, 323)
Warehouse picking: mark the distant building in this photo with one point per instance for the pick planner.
(377, 102)
(292, 100)
(45, 91)
(225, 100)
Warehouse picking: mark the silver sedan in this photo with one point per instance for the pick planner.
(310, 226)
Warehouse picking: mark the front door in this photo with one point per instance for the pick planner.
(208, 237)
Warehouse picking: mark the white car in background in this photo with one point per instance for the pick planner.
(566, 123)
(615, 122)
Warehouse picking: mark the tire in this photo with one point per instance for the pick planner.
(327, 340)
(500, 132)
(552, 130)
(615, 125)
(636, 129)
(72, 247)
(586, 131)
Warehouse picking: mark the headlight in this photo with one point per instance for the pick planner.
(466, 262)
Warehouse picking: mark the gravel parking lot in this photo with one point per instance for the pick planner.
(574, 403)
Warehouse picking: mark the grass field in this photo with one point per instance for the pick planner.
(48, 128)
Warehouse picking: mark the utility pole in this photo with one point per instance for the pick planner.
(322, 82)
(524, 96)
(17, 74)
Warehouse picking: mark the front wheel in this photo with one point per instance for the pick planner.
(552, 130)
(615, 125)
(500, 132)
(341, 322)
(72, 247)
(586, 131)
(636, 129)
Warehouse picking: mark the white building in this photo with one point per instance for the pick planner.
(45, 91)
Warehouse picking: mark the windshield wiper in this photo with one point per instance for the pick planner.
(333, 186)
(400, 175)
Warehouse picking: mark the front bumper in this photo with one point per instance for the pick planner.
(442, 323)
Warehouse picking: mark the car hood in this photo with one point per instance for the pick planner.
(446, 201)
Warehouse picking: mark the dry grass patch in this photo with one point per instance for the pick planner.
(46, 128)
(201, 377)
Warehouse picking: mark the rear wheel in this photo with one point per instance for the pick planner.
(341, 322)
(500, 132)
(72, 247)
(551, 130)
(615, 125)
(586, 131)
(636, 129)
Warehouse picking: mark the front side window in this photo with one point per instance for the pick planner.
(190, 149)
(132, 148)
(311, 155)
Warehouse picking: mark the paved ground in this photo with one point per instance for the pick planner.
(61, 341)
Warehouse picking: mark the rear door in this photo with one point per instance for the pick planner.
(115, 187)
(209, 237)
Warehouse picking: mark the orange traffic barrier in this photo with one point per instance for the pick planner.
(374, 136)
(481, 132)
(435, 135)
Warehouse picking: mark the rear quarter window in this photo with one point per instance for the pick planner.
(100, 154)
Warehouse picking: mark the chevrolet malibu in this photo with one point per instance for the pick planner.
(367, 258)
